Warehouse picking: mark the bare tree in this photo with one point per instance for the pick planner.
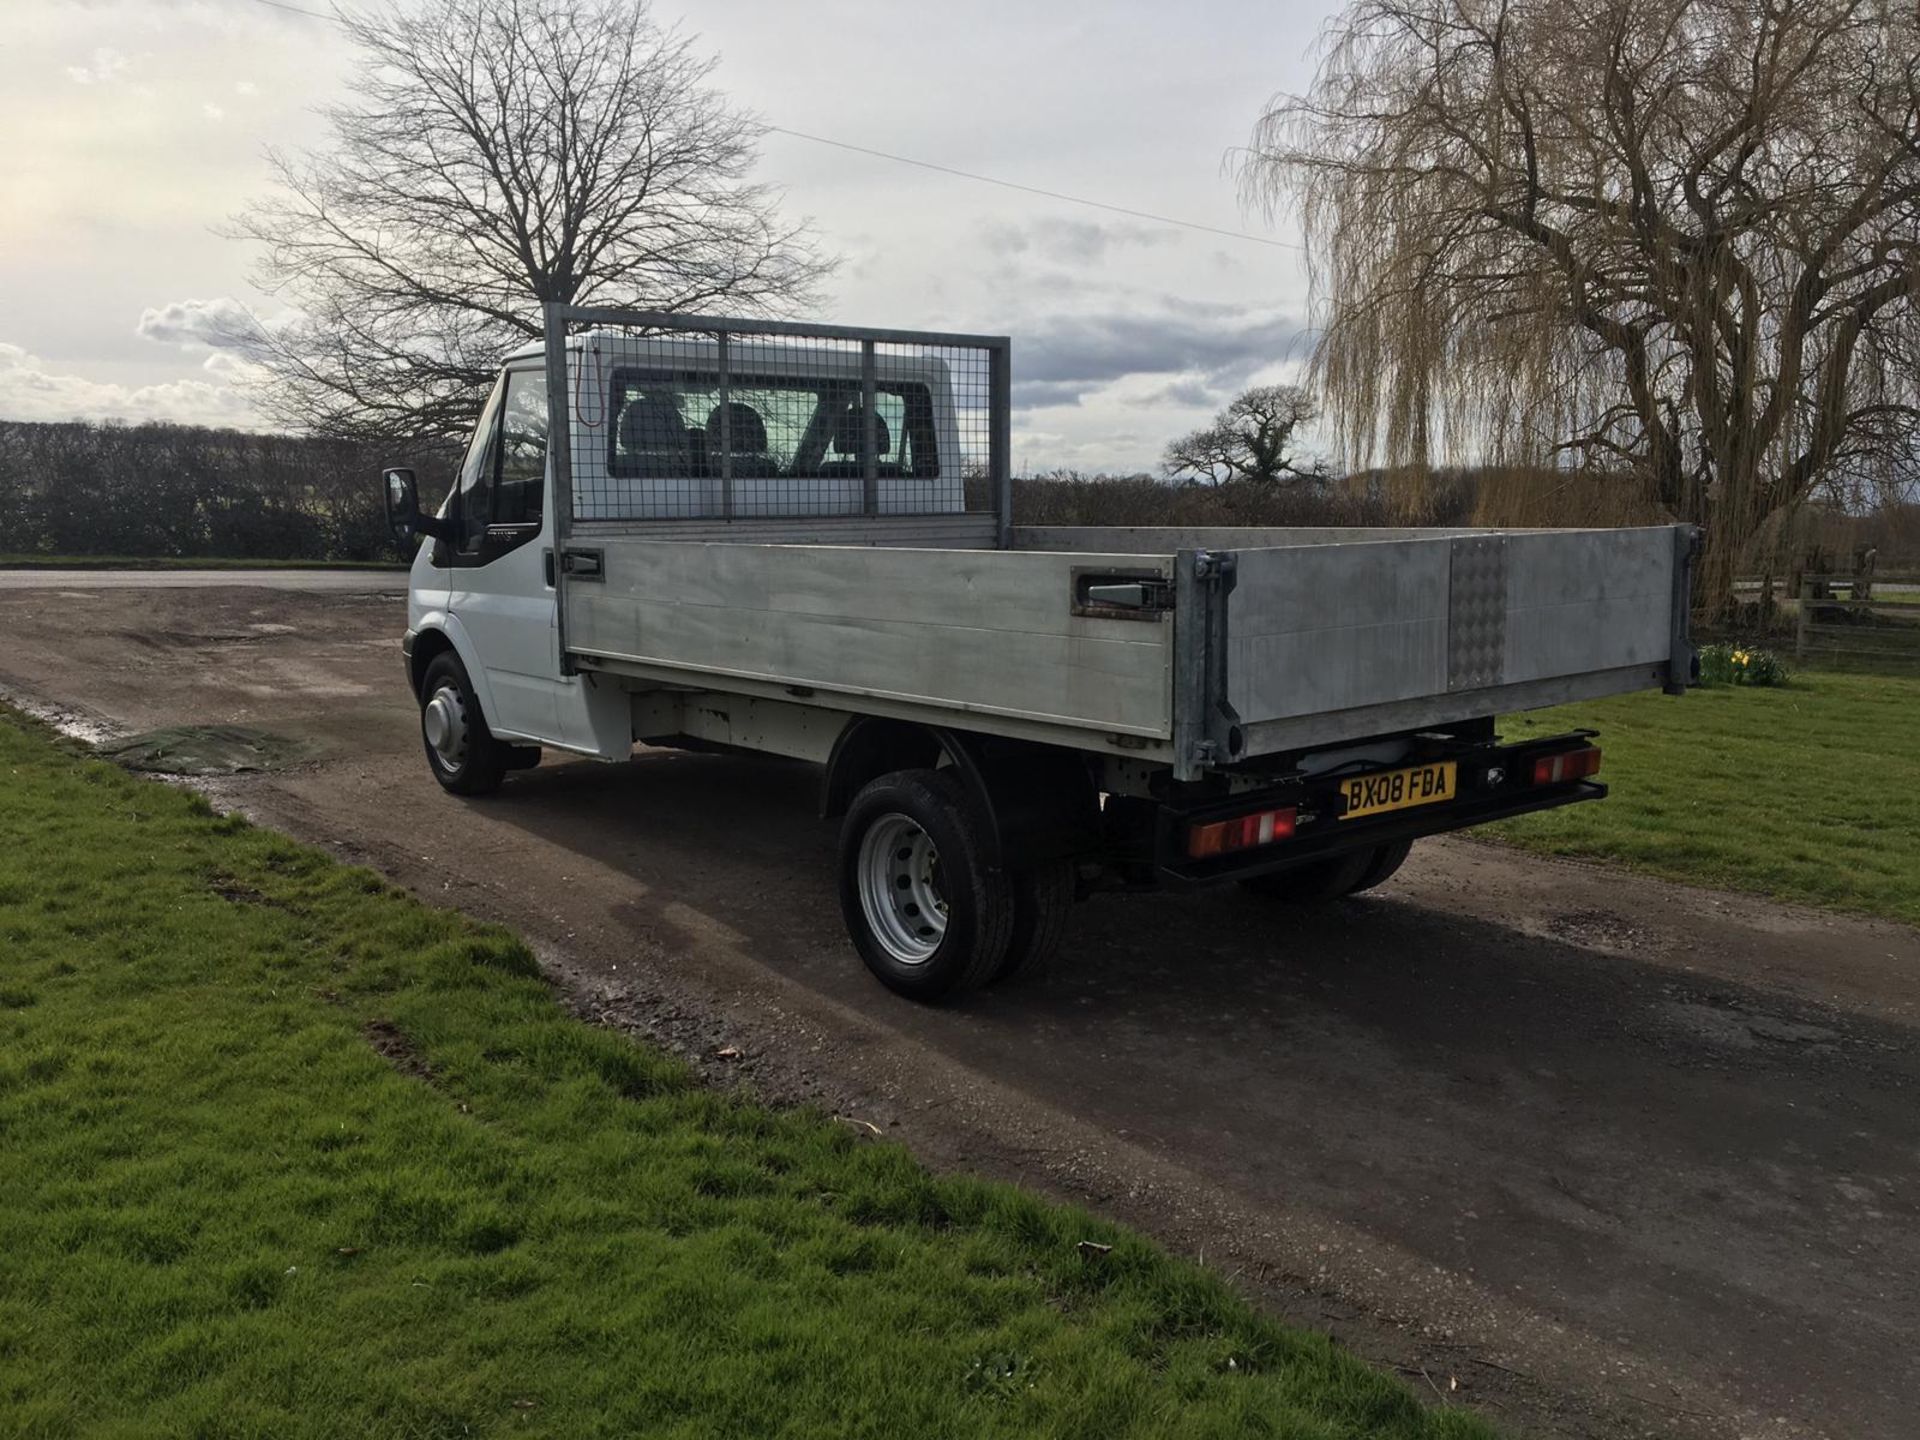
(1251, 439)
(1677, 239)
(498, 154)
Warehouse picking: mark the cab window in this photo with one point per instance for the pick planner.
(473, 503)
(503, 481)
(520, 477)
(670, 424)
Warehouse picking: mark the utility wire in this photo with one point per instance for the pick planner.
(1036, 190)
(296, 10)
(951, 170)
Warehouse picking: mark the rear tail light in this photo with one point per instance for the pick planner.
(1569, 765)
(1243, 832)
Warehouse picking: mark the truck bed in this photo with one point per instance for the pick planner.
(850, 563)
(1252, 642)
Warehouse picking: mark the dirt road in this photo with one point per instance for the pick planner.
(1612, 1156)
(346, 582)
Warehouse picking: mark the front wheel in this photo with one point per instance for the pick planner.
(461, 750)
(930, 919)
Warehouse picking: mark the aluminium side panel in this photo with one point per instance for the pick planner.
(1584, 600)
(973, 530)
(963, 632)
(1318, 628)
(1166, 539)
(1335, 641)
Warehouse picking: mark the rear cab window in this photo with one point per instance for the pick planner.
(672, 424)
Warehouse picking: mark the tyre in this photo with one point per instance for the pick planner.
(1386, 860)
(461, 750)
(1340, 875)
(1042, 898)
(929, 918)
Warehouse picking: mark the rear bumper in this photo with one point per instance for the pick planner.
(1494, 785)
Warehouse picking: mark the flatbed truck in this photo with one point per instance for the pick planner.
(798, 540)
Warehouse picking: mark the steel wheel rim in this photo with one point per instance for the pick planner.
(898, 870)
(443, 720)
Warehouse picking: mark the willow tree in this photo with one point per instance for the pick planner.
(494, 154)
(1678, 240)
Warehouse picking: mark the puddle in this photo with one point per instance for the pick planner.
(74, 724)
(204, 750)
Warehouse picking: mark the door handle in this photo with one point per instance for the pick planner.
(584, 564)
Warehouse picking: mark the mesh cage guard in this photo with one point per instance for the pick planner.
(669, 417)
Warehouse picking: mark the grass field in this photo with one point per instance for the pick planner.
(181, 562)
(1809, 792)
(289, 1154)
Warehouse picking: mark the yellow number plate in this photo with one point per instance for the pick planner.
(1398, 789)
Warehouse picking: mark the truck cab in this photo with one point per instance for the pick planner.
(786, 433)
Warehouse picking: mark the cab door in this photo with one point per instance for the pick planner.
(501, 590)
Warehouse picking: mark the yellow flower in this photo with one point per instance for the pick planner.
(1741, 657)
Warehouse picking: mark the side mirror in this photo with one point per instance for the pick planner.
(403, 504)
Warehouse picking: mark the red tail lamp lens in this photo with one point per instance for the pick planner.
(1243, 832)
(1569, 765)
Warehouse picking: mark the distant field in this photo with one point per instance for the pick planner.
(288, 1153)
(1809, 793)
(182, 562)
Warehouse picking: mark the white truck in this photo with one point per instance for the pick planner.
(798, 540)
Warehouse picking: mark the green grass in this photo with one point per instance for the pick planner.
(1809, 792)
(287, 1153)
(181, 562)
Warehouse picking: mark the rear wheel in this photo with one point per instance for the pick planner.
(1042, 897)
(1386, 860)
(929, 918)
(461, 750)
(1340, 875)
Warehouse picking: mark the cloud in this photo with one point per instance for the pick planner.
(245, 87)
(1044, 394)
(1078, 242)
(1188, 394)
(212, 111)
(30, 391)
(222, 323)
(107, 66)
(1205, 348)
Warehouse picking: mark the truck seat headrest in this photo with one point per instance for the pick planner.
(846, 433)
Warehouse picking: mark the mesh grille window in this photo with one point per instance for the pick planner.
(713, 422)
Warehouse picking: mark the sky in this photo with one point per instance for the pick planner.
(138, 126)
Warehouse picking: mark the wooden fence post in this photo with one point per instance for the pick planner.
(1801, 621)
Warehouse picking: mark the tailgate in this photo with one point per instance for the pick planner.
(1338, 641)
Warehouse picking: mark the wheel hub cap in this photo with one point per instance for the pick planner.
(900, 889)
(444, 721)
